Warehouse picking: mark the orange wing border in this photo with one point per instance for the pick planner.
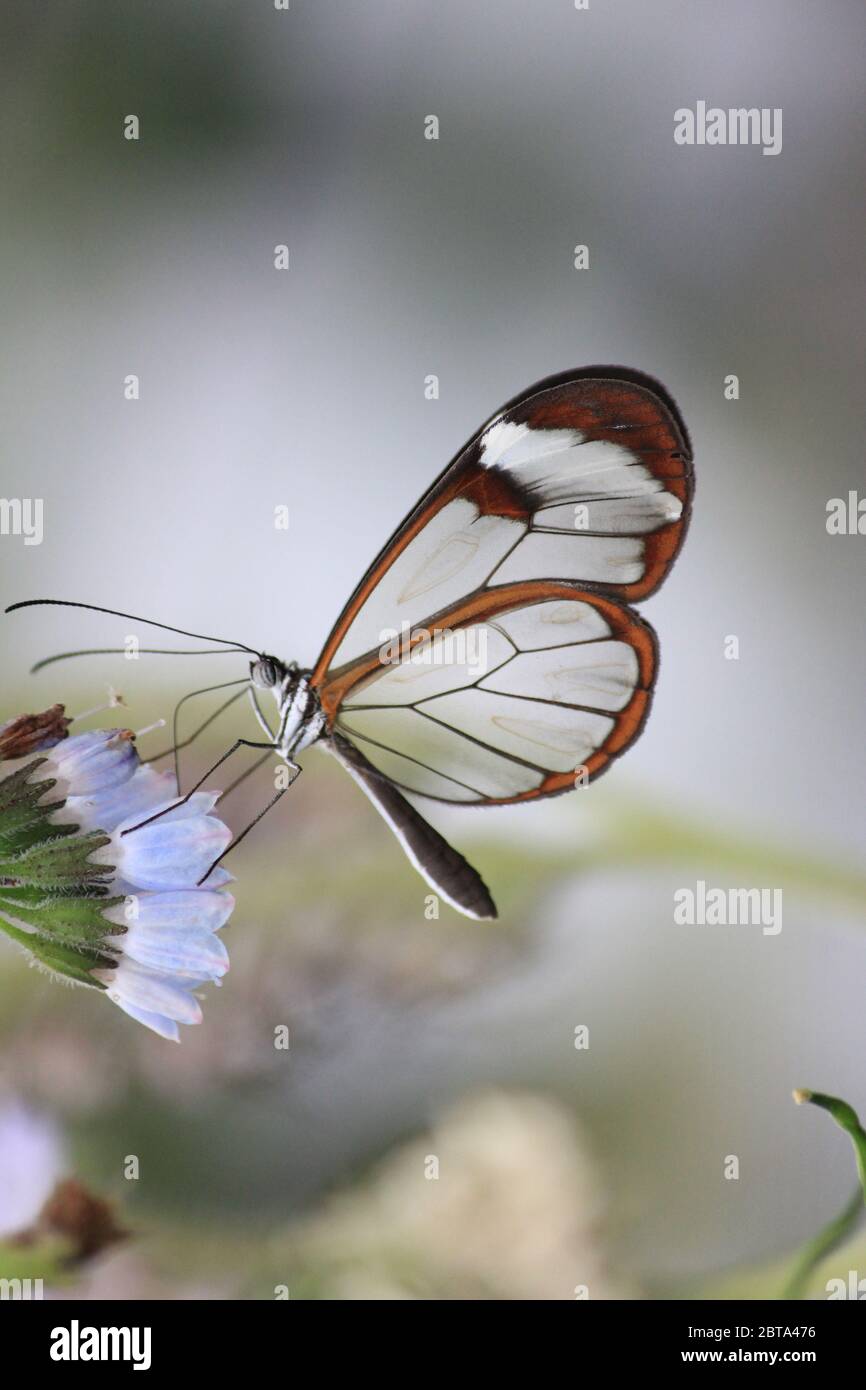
(486, 605)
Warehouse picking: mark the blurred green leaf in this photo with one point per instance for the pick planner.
(45, 1259)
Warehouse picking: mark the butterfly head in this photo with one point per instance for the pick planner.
(267, 672)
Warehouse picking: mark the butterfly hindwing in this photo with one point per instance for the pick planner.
(514, 694)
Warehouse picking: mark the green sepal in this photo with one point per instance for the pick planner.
(21, 830)
(17, 785)
(24, 817)
(75, 962)
(31, 895)
(61, 862)
(64, 918)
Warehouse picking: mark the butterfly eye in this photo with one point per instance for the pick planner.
(264, 673)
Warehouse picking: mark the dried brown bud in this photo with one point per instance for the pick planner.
(29, 732)
(85, 1221)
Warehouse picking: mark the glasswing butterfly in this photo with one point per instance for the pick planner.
(490, 654)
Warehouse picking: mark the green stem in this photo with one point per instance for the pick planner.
(841, 1226)
(823, 1244)
(847, 1119)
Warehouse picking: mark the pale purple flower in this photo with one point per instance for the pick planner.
(145, 791)
(31, 1161)
(171, 852)
(153, 997)
(167, 947)
(175, 932)
(90, 763)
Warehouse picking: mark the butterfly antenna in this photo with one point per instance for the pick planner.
(132, 617)
(121, 651)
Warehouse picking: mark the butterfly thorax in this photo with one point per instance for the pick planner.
(301, 719)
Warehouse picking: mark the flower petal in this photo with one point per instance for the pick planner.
(169, 853)
(138, 797)
(192, 956)
(150, 990)
(199, 804)
(218, 878)
(88, 763)
(185, 948)
(165, 1027)
(189, 909)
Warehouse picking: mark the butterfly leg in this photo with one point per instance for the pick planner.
(238, 743)
(257, 711)
(255, 820)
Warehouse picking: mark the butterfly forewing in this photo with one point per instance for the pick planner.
(584, 478)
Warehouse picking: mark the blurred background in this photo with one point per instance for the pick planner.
(560, 1168)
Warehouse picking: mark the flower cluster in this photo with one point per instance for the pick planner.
(122, 912)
